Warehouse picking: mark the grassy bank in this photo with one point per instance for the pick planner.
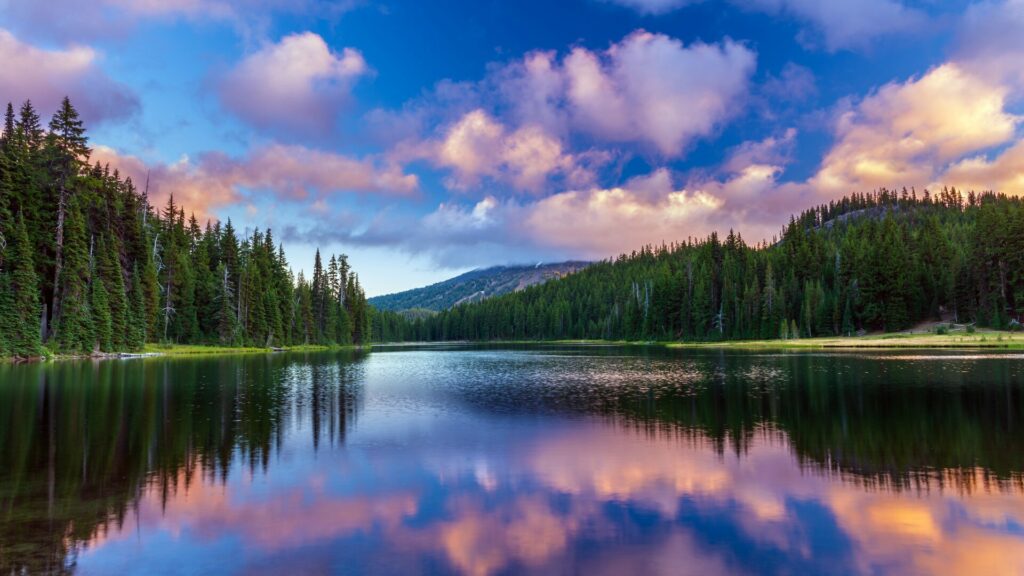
(202, 349)
(182, 350)
(979, 340)
(983, 339)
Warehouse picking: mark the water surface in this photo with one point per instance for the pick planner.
(550, 460)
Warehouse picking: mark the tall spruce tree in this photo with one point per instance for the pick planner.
(67, 151)
(74, 329)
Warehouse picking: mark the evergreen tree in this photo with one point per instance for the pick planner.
(68, 152)
(19, 295)
(74, 330)
(136, 338)
(101, 316)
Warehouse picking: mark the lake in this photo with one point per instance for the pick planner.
(544, 459)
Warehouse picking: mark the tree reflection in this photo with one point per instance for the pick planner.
(82, 441)
(878, 422)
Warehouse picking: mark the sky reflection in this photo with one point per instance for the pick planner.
(590, 496)
(406, 463)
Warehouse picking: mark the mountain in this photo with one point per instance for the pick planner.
(474, 286)
(881, 262)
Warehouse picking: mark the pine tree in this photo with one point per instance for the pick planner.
(136, 339)
(109, 271)
(68, 151)
(8, 127)
(74, 330)
(19, 295)
(227, 322)
(101, 316)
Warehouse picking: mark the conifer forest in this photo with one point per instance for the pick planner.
(876, 262)
(88, 265)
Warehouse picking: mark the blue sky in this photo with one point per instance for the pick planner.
(427, 138)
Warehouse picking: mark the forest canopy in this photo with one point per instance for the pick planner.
(88, 265)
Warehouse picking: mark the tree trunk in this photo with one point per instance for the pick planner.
(58, 258)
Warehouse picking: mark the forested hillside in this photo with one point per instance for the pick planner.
(874, 262)
(474, 286)
(87, 265)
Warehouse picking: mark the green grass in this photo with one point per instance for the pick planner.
(982, 339)
(203, 349)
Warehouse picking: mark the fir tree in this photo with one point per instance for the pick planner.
(19, 296)
(136, 339)
(74, 330)
(101, 316)
(67, 151)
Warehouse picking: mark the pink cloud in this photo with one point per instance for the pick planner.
(991, 43)
(66, 21)
(651, 209)
(652, 89)
(649, 89)
(592, 222)
(907, 133)
(46, 76)
(298, 85)
(519, 124)
(1004, 173)
(293, 173)
(478, 146)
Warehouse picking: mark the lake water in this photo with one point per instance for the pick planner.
(548, 460)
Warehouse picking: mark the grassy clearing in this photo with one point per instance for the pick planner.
(981, 339)
(200, 350)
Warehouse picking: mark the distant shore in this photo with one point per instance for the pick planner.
(982, 339)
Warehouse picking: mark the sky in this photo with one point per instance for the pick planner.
(426, 138)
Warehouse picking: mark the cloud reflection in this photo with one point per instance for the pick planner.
(594, 497)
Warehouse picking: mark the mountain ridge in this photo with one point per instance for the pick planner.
(475, 285)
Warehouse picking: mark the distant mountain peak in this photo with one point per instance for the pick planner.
(475, 285)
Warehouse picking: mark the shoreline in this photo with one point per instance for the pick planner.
(981, 340)
(181, 350)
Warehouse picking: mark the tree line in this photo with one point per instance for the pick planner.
(881, 261)
(88, 265)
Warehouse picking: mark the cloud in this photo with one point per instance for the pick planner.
(518, 125)
(590, 223)
(603, 222)
(1004, 173)
(292, 173)
(991, 44)
(793, 84)
(845, 24)
(653, 7)
(66, 21)
(842, 24)
(774, 150)
(906, 133)
(478, 146)
(652, 89)
(297, 85)
(945, 127)
(46, 76)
